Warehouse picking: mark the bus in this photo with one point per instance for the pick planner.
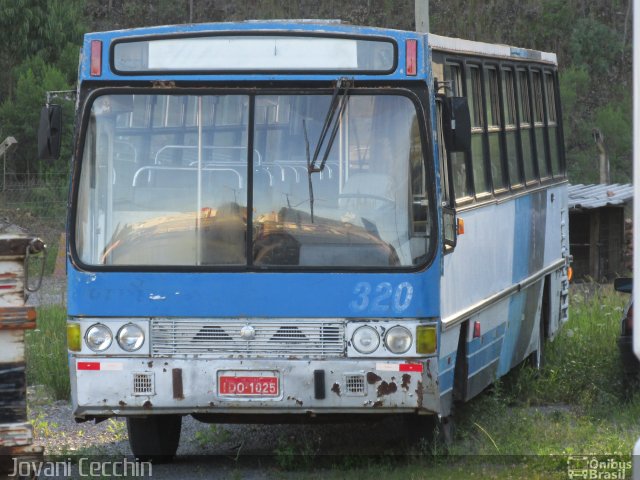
(302, 220)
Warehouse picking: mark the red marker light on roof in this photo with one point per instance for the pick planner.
(412, 57)
(96, 58)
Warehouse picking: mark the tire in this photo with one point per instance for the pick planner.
(154, 438)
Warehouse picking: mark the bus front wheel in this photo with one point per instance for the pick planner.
(155, 437)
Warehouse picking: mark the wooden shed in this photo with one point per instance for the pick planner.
(597, 235)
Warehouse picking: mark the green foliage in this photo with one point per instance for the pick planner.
(299, 454)
(211, 436)
(583, 365)
(594, 45)
(46, 352)
(574, 83)
(20, 114)
(41, 41)
(615, 122)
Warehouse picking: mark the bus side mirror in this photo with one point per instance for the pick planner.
(50, 132)
(456, 124)
(449, 227)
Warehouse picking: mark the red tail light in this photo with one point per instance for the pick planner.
(412, 57)
(96, 58)
(476, 330)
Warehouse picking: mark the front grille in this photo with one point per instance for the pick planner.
(354, 384)
(305, 337)
(143, 384)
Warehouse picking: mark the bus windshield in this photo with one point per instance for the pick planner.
(223, 180)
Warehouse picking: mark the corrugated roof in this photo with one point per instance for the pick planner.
(601, 195)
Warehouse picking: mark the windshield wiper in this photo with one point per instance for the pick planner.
(338, 104)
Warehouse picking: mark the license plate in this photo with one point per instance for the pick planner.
(248, 385)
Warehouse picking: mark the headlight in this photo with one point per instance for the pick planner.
(98, 337)
(365, 339)
(130, 337)
(398, 339)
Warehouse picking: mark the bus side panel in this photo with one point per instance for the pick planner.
(508, 334)
(556, 247)
(503, 244)
(449, 345)
(556, 282)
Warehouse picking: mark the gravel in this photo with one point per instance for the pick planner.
(251, 452)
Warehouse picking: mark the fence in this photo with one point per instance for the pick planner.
(35, 202)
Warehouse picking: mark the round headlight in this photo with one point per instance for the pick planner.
(398, 339)
(365, 339)
(98, 337)
(130, 337)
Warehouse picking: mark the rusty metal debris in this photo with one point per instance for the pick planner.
(16, 434)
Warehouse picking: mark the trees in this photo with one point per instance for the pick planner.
(591, 39)
(41, 40)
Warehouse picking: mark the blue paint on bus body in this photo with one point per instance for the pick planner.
(205, 294)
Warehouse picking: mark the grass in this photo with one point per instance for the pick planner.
(46, 352)
(531, 424)
(582, 364)
(212, 435)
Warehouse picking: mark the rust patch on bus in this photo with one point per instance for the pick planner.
(122, 403)
(298, 401)
(429, 374)
(387, 388)
(176, 374)
(147, 405)
(336, 388)
(406, 380)
(420, 394)
(373, 378)
(378, 404)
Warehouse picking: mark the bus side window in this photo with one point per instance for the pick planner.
(493, 129)
(528, 160)
(552, 123)
(453, 74)
(538, 119)
(474, 94)
(511, 128)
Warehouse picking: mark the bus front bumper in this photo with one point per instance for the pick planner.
(104, 387)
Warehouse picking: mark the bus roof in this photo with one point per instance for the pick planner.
(318, 49)
(458, 45)
(240, 51)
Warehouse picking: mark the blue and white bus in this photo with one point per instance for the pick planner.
(286, 221)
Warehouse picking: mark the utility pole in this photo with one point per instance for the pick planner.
(422, 16)
(602, 154)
